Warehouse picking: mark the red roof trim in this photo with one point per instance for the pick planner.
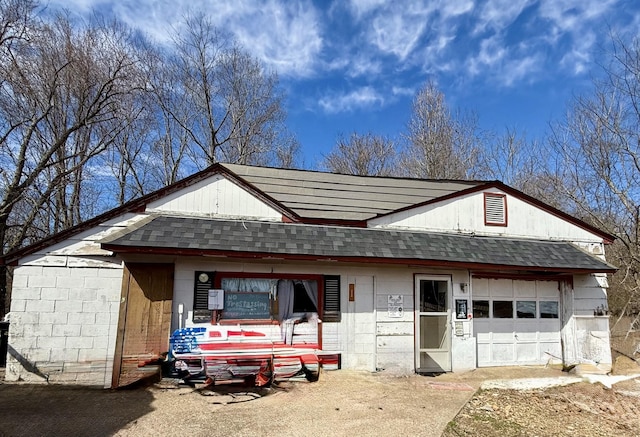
(346, 259)
(138, 206)
(608, 238)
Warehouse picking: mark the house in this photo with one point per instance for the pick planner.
(378, 273)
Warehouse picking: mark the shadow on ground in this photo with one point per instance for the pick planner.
(45, 410)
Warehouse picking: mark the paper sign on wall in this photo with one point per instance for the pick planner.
(216, 300)
(395, 305)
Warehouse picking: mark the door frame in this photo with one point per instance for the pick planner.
(417, 315)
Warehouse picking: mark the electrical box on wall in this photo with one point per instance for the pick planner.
(215, 300)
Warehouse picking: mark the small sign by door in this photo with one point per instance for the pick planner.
(395, 305)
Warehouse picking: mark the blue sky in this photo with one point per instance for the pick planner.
(354, 66)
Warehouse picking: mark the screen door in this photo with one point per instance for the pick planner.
(433, 323)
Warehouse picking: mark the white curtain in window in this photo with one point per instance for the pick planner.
(248, 285)
(311, 287)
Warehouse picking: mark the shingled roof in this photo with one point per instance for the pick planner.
(318, 195)
(198, 236)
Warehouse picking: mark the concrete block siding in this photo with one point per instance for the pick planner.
(63, 324)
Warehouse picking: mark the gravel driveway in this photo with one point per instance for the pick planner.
(341, 403)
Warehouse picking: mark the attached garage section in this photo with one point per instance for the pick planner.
(516, 322)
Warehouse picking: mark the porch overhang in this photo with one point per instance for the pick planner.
(195, 236)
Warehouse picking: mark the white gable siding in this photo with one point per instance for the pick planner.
(215, 196)
(465, 214)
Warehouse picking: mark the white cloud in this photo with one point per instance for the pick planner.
(364, 97)
(490, 56)
(580, 56)
(363, 65)
(398, 33)
(286, 36)
(363, 7)
(498, 14)
(403, 91)
(516, 70)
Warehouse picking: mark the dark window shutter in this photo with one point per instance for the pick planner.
(203, 283)
(331, 310)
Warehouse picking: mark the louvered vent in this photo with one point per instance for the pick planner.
(495, 209)
(331, 311)
(203, 283)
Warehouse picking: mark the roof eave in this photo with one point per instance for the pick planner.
(139, 205)
(346, 259)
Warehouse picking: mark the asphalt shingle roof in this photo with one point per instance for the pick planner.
(200, 235)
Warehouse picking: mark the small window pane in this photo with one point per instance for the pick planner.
(502, 309)
(433, 296)
(526, 309)
(548, 310)
(480, 309)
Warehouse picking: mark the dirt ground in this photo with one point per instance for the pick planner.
(577, 409)
(341, 403)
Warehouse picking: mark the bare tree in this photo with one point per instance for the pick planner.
(60, 105)
(439, 145)
(598, 145)
(286, 152)
(364, 155)
(520, 163)
(221, 97)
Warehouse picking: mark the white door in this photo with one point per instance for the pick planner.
(516, 322)
(433, 323)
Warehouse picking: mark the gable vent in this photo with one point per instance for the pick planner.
(495, 209)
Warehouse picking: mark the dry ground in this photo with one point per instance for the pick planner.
(342, 403)
(579, 409)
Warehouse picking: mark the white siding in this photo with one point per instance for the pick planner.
(591, 330)
(395, 335)
(215, 197)
(63, 324)
(366, 337)
(465, 214)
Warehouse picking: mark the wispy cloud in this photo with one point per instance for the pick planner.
(364, 97)
(580, 56)
(377, 39)
(490, 55)
(498, 14)
(286, 36)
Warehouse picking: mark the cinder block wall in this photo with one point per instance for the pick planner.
(63, 324)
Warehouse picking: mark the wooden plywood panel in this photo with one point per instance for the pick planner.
(145, 321)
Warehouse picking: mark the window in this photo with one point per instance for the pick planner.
(433, 296)
(503, 309)
(495, 209)
(481, 309)
(267, 296)
(526, 309)
(548, 309)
